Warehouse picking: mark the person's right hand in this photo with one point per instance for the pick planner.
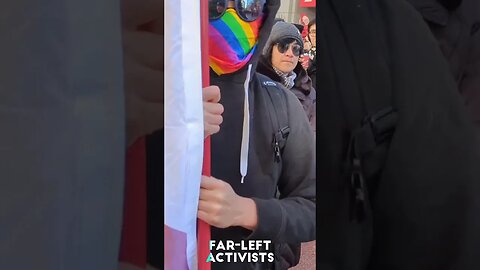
(212, 110)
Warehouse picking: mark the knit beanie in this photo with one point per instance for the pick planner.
(282, 30)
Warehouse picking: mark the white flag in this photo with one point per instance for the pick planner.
(183, 132)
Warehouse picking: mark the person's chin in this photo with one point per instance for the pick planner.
(287, 67)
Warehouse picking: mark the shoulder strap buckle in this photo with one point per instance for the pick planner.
(382, 123)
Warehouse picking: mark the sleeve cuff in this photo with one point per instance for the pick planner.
(271, 219)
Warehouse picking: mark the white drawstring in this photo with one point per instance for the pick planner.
(246, 129)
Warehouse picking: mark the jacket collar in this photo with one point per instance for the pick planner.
(302, 82)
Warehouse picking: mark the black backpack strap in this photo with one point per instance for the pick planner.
(368, 51)
(278, 114)
(288, 255)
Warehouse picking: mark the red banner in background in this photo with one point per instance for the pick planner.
(308, 3)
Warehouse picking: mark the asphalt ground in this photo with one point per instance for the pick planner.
(307, 258)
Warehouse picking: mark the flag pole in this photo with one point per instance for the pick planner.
(204, 228)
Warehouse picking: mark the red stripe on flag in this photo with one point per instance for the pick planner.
(203, 228)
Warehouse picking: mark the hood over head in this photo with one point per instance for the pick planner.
(270, 10)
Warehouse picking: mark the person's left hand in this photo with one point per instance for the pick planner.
(221, 207)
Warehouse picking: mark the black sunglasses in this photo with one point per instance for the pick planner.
(283, 46)
(248, 10)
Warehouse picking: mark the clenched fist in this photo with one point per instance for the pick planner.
(212, 110)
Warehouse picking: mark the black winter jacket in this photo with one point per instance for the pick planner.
(290, 219)
(425, 203)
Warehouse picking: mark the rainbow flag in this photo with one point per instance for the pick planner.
(183, 132)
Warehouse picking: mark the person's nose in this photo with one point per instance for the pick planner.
(289, 51)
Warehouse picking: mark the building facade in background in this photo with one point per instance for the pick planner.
(292, 10)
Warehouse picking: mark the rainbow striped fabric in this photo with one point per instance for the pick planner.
(232, 42)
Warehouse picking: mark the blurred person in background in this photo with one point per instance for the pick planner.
(310, 51)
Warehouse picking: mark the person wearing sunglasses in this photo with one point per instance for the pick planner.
(312, 52)
(248, 10)
(252, 194)
(280, 62)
